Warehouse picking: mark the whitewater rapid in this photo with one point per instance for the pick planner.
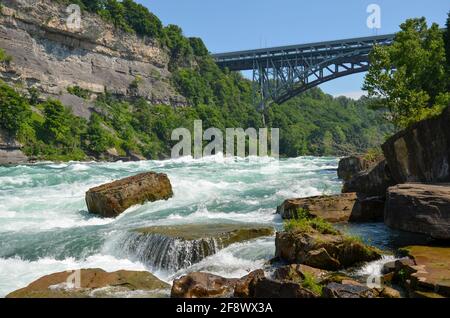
(45, 227)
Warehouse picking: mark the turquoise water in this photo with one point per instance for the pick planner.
(45, 227)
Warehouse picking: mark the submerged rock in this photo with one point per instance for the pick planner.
(111, 199)
(324, 251)
(94, 283)
(420, 208)
(179, 246)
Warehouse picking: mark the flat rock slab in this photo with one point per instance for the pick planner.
(419, 208)
(111, 199)
(432, 269)
(227, 233)
(94, 283)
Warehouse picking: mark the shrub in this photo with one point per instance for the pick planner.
(14, 109)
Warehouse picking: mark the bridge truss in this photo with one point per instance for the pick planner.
(281, 73)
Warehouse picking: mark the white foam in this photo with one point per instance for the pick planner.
(16, 273)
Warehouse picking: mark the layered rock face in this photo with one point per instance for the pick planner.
(50, 55)
(94, 283)
(421, 153)
(111, 199)
(419, 208)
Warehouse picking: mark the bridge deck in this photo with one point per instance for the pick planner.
(244, 60)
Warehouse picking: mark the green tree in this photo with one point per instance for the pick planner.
(409, 77)
(57, 122)
(14, 109)
(98, 140)
(141, 20)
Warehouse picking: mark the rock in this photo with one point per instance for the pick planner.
(431, 272)
(368, 209)
(110, 200)
(50, 56)
(324, 251)
(370, 183)
(348, 290)
(94, 283)
(10, 150)
(388, 292)
(421, 153)
(202, 285)
(334, 208)
(350, 166)
(419, 208)
(298, 272)
(269, 288)
(245, 287)
(135, 156)
(178, 246)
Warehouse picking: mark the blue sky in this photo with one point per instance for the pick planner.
(233, 25)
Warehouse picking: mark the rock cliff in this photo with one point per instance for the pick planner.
(51, 56)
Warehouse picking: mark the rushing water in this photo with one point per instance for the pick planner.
(45, 228)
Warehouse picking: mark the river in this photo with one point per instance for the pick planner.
(45, 227)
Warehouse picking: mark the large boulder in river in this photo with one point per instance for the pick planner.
(111, 199)
(174, 247)
(333, 208)
(419, 208)
(421, 153)
(328, 251)
(346, 207)
(94, 283)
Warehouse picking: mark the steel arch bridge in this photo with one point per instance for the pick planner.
(280, 73)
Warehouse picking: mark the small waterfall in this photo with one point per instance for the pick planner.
(168, 253)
